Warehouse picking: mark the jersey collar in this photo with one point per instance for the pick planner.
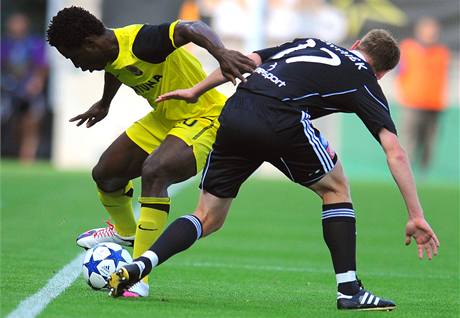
(359, 54)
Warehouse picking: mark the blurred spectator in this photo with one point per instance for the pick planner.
(284, 21)
(422, 88)
(189, 10)
(23, 79)
(230, 22)
(322, 20)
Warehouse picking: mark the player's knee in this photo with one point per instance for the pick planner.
(100, 177)
(333, 188)
(342, 185)
(345, 190)
(339, 190)
(105, 181)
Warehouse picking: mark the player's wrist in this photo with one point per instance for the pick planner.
(416, 214)
(105, 102)
(218, 53)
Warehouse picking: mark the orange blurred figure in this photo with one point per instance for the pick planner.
(422, 87)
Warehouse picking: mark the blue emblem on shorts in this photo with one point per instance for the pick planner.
(323, 141)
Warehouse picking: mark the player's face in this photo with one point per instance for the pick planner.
(86, 58)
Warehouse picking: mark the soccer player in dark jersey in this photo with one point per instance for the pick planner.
(269, 119)
(170, 144)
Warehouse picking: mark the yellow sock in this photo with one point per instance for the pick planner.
(152, 221)
(119, 205)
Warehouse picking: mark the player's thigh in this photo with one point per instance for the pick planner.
(302, 153)
(123, 159)
(182, 153)
(199, 134)
(169, 158)
(227, 167)
(173, 161)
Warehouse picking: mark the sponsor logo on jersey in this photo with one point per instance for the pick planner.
(272, 67)
(358, 62)
(270, 76)
(134, 70)
(145, 87)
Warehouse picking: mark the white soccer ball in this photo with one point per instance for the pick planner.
(101, 261)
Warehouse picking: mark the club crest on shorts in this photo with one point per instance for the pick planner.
(327, 146)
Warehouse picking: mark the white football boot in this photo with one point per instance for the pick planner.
(140, 289)
(103, 235)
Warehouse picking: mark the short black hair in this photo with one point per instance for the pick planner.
(70, 26)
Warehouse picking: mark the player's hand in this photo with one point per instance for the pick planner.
(180, 94)
(233, 64)
(421, 232)
(94, 114)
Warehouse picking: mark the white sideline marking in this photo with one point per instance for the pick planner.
(34, 305)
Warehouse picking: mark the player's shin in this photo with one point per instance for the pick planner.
(119, 206)
(152, 221)
(179, 236)
(339, 232)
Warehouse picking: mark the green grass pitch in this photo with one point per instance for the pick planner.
(269, 260)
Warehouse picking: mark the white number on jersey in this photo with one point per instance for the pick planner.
(333, 59)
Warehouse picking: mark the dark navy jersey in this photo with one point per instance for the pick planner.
(321, 78)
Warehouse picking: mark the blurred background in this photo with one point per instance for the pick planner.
(40, 90)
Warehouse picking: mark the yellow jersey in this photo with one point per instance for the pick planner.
(150, 63)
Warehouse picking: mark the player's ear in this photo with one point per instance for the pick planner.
(355, 45)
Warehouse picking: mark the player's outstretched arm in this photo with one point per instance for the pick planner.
(214, 79)
(233, 63)
(100, 109)
(417, 227)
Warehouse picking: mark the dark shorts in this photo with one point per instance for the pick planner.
(255, 129)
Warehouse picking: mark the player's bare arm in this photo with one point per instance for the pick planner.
(100, 109)
(417, 227)
(216, 78)
(233, 63)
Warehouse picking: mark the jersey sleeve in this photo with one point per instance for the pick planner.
(372, 108)
(153, 43)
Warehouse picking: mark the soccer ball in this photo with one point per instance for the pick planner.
(101, 261)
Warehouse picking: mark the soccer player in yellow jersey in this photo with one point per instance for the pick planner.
(170, 144)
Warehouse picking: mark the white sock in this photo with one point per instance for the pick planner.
(349, 276)
(152, 257)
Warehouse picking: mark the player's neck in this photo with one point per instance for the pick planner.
(368, 60)
(360, 54)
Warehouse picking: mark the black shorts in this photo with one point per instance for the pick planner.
(255, 129)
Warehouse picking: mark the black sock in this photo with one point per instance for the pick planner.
(339, 232)
(178, 236)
